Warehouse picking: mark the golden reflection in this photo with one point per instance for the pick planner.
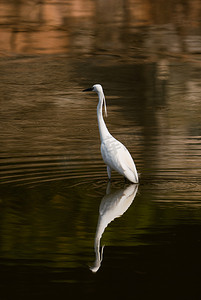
(112, 206)
(86, 26)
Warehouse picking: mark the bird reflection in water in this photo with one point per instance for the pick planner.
(113, 205)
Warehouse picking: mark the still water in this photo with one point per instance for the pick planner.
(65, 232)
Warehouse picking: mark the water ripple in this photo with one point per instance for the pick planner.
(37, 169)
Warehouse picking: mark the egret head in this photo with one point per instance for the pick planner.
(95, 88)
(99, 90)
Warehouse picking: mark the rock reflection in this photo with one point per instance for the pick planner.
(120, 27)
(112, 206)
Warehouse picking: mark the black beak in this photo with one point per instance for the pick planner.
(88, 90)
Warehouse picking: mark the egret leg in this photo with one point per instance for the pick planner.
(109, 172)
(108, 189)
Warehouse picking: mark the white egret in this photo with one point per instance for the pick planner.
(114, 153)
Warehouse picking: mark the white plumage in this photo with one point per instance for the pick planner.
(114, 153)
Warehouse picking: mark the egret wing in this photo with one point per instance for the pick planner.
(118, 158)
(109, 150)
(116, 155)
(128, 165)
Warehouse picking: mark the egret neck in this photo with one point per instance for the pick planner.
(104, 133)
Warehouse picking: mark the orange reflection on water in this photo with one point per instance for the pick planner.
(85, 26)
(40, 27)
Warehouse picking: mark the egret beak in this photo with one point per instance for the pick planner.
(88, 90)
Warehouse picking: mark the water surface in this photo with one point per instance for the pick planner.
(64, 232)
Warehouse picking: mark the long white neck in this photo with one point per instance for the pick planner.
(104, 133)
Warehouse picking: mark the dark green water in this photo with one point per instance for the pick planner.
(64, 233)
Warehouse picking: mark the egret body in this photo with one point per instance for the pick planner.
(115, 154)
